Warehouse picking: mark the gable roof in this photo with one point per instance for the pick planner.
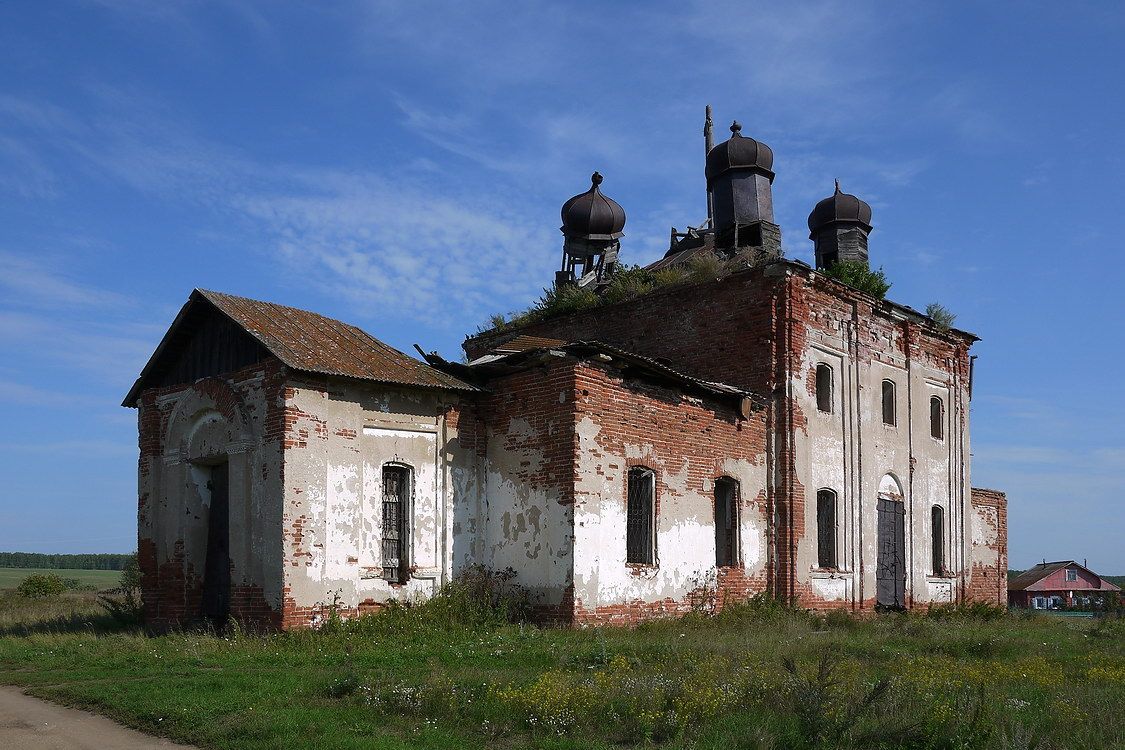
(302, 340)
(1027, 579)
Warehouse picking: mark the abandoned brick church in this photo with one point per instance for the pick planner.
(763, 429)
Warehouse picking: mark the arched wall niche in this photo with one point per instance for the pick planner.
(207, 419)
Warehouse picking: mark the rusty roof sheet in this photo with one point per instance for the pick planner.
(523, 343)
(309, 342)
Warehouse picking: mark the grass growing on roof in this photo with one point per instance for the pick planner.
(459, 674)
(626, 283)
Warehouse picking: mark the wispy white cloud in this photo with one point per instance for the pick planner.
(38, 283)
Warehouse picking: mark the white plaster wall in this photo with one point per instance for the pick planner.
(685, 531)
(334, 492)
(851, 450)
(526, 527)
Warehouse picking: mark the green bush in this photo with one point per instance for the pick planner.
(857, 274)
(41, 586)
(942, 316)
(124, 603)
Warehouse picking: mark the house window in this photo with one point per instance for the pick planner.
(826, 529)
(640, 521)
(397, 487)
(726, 522)
(889, 416)
(937, 418)
(937, 538)
(824, 388)
(1071, 574)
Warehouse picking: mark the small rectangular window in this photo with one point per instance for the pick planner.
(726, 522)
(889, 415)
(826, 528)
(937, 538)
(640, 519)
(937, 418)
(1071, 574)
(396, 531)
(824, 398)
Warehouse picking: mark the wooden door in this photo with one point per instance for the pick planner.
(890, 569)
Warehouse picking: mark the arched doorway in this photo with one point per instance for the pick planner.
(890, 568)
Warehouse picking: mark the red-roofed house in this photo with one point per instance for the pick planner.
(1055, 585)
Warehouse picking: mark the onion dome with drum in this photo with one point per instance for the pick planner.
(593, 216)
(739, 152)
(840, 208)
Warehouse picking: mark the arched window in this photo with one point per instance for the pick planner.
(398, 486)
(937, 418)
(889, 412)
(826, 529)
(640, 517)
(824, 397)
(937, 538)
(726, 522)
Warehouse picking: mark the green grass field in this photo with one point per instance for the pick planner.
(102, 579)
(754, 677)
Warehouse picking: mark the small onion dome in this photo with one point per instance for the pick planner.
(592, 216)
(739, 152)
(839, 208)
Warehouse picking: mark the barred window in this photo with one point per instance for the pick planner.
(889, 405)
(726, 522)
(826, 528)
(396, 522)
(640, 522)
(824, 396)
(937, 521)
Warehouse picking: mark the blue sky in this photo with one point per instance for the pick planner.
(401, 165)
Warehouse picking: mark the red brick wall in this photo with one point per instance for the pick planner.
(690, 437)
(988, 577)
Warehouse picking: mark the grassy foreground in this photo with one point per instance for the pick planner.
(759, 676)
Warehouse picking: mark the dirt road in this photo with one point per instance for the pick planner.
(28, 723)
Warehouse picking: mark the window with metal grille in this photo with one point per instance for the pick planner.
(826, 529)
(726, 522)
(889, 415)
(824, 388)
(396, 525)
(640, 542)
(937, 536)
(937, 417)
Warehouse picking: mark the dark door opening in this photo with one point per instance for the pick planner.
(726, 522)
(215, 604)
(890, 570)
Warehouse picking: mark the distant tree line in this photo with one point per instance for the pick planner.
(101, 561)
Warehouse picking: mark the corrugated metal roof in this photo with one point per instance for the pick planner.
(308, 342)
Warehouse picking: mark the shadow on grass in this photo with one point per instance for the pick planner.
(76, 622)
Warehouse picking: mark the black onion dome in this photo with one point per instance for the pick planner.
(842, 208)
(740, 152)
(593, 216)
